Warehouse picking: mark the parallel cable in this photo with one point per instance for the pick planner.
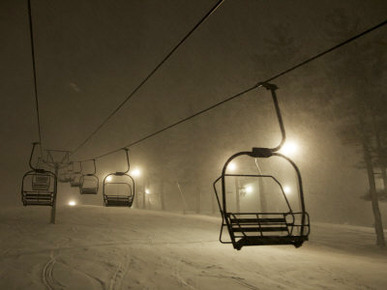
(201, 21)
(249, 89)
(34, 74)
(179, 122)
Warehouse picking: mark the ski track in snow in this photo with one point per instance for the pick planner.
(119, 274)
(111, 249)
(178, 276)
(48, 276)
(92, 280)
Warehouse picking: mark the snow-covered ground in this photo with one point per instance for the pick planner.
(94, 247)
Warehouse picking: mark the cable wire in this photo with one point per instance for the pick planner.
(201, 21)
(34, 74)
(249, 89)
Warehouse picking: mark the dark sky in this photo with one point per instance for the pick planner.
(91, 54)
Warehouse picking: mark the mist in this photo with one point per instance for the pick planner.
(90, 56)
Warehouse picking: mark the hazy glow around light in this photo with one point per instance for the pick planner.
(249, 189)
(287, 189)
(289, 148)
(231, 166)
(109, 178)
(147, 191)
(72, 203)
(136, 172)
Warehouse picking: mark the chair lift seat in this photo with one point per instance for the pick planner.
(75, 184)
(33, 198)
(118, 200)
(256, 231)
(89, 190)
(269, 240)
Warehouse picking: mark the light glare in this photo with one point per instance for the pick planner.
(109, 178)
(287, 189)
(289, 148)
(249, 189)
(147, 191)
(136, 172)
(72, 203)
(231, 166)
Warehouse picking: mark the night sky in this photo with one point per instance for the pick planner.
(91, 54)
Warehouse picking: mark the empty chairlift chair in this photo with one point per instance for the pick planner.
(259, 227)
(39, 186)
(76, 176)
(119, 188)
(89, 182)
(65, 174)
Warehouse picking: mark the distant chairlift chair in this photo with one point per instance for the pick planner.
(263, 228)
(119, 188)
(76, 177)
(89, 183)
(65, 174)
(39, 186)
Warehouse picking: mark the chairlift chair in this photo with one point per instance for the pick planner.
(39, 186)
(119, 188)
(89, 182)
(64, 175)
(76, 176)
(261, 227)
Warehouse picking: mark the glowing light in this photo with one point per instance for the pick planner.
(136, 172)
(231, 166)
(109, 178)
(249, 189)
(287, 189)
(289, 148)
(147, 191)
(72, 203)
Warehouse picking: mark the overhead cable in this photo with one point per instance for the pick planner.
(201, 21)
(258, 85)
(34, 74)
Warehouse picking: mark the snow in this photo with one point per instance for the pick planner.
(92, 247)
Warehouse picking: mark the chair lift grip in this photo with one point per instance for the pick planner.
(268, 86)
(261, 152)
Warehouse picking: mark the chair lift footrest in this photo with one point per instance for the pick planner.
(38, 199)
(257, 221)
(260, 229)
(117, 201)
(267, 240)
(89, 191)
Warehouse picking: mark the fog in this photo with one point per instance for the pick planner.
(91, 55)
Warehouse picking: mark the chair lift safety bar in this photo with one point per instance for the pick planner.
(119, 188)
(89, 182)
(260, 227)
(39, 186)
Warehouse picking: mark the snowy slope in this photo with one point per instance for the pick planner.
(93, 247)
